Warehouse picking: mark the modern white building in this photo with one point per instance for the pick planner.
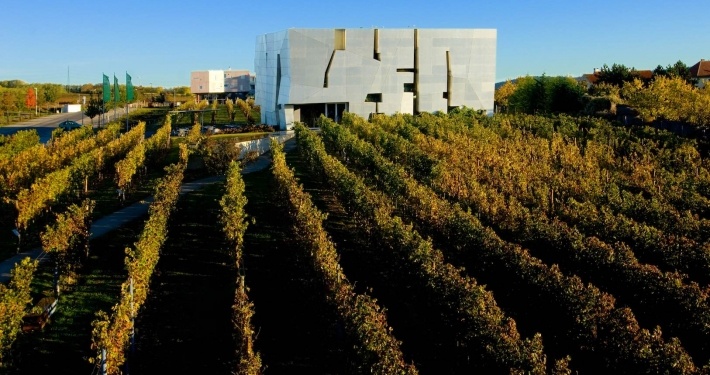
(303, 73)
(221, 83)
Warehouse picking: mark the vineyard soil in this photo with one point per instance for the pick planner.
(66, 341)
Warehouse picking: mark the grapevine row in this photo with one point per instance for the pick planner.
(660, 297)
(19, 172)
(582, 315)
(14, 298)
(127, 167)
(363, 318)
(669, 250)
(11, 145)
(111, 333)
(62, 239)
(668, 167)
(542, 172)
(486, 328)
(677, 169)
(233, 219)
(32, 201)
(67, 239)
(161, 139)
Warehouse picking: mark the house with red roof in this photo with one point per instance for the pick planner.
(701, 72)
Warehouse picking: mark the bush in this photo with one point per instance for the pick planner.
(598, 105)
(247, 129)
(218, 153)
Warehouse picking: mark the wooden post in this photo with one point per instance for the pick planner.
(56, 277)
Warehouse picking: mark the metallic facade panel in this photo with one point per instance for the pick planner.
(301, 67)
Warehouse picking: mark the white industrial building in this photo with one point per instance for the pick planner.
(219, 84)
(303, 73)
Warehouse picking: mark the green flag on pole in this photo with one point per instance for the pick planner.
(107, 89)
(116, 91)
(129, 88)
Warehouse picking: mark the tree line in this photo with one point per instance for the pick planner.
(664, 94)
(15, 96)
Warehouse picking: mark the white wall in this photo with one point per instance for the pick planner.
(71, 108)
(263, 145)
(216, 81)
(219, 81)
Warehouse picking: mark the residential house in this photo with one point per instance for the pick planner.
(701, 72)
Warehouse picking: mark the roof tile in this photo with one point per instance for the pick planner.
(701, 69)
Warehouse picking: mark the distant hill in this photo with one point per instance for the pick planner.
(501, 83)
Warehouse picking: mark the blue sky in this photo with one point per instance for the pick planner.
(160, 42)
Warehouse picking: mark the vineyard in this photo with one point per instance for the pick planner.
(438, 243)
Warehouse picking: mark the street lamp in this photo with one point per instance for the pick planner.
(36, 102)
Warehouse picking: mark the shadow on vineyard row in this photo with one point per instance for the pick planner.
(185, 325)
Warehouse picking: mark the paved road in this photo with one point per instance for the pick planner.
(46, 124)
(119, 218)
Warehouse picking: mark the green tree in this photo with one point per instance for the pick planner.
(94, 108)
(51, 93)
(564, 95)
(670, 98)
(526, 95)
(218, 153)
(161, 97)
(679, 69)
(7, 103)
(605, 89)
(546, 95)
(87, 88)
(616, 75)
(11, 84)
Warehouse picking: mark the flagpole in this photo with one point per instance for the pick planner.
(103, 109)
(106, 91)
(127, 96)
(115, 99)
